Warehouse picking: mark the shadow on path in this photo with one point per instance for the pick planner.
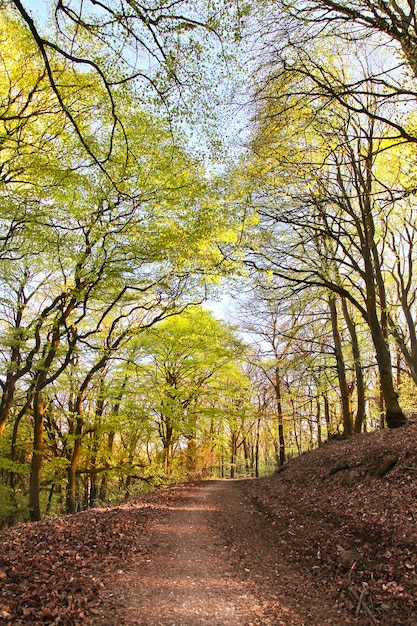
(208, 556)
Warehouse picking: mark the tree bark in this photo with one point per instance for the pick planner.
(233, 454)
(37, 457)
(258, 430)
(6, 401)
(280, 418)
(318, 420)
(167, 430)
(341, 370)
(71, 491)
(327, 415)
(374, 281)
(13, 374)
(360, 382)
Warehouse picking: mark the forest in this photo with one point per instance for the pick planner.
(208, 239)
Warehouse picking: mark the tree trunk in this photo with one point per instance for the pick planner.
(294, 419)
(381, 406)
(280, 418)
(233, 454)
(375, 287)
(327, 415)
(109, 446)
(318, 419)
(246, 455)
(71, 492)
(258, 429)
(6, 401)
(37, 456)
(341, 370)
(95, 446)
(394, 415)
(360, 382)
(168, 446)
(104, 478)
(13, 447)
(15, 357)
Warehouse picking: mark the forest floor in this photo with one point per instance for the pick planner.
(331, 540)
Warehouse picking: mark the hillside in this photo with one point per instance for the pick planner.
(342, 517)
(329, 540)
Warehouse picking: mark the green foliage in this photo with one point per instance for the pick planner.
(90, 257)
(188, 361)
(13, 508)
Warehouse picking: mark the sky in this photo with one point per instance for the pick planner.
(37, 8)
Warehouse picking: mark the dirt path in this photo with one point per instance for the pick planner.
(208, 556)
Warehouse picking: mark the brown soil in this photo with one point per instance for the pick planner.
(329, 541)
(212, 558)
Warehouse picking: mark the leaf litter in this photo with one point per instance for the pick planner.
(344, 517)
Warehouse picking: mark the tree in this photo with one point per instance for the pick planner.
(161, 49)
(396, 21)
(327, 230)
(401, 244)
(308, 42)
(186, 361)
(270, 358)
(80, 254)
(108, 224)
(359, 373)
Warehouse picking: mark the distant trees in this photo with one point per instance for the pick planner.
(146, 405)
(187, 363)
